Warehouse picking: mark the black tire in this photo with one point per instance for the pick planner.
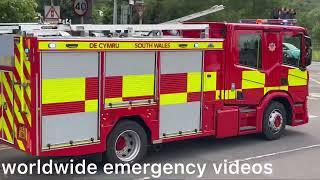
(271, 132)
(111, 156)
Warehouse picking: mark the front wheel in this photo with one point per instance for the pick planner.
(274, 121)
(127, 143)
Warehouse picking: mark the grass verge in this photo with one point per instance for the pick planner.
(316, 55)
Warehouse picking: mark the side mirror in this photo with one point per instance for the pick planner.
(308, 44)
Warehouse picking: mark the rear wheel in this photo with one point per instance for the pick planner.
(127, 143)
(275, 120)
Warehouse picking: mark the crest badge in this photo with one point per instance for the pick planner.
(272, 47)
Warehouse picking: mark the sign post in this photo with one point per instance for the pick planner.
(52, 14)
(140, 7)
(81, 7)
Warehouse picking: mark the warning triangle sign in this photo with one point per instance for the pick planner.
(52, 12)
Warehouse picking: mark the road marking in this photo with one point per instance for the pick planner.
(312, 98)
(2, 145)
(277, 153)
(144, 178)
(311, 79)
(315, 95)
(5, 148)
(312, 116)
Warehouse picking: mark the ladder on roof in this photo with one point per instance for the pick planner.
(211, 10)
(97, 27)
(63, 29)
(47, 29)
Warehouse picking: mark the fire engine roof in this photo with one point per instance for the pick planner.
(74, 38)
(264, 26)
(252, 26)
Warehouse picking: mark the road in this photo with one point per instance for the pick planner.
(294, 156)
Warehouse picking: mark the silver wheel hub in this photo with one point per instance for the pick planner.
(127, 146)
(275, 121)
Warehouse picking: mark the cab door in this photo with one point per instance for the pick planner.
(245, 81)
(6, 119)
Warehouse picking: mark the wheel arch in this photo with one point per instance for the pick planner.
(139, 120)
(281, 97)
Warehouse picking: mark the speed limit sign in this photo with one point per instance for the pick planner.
(80, 7)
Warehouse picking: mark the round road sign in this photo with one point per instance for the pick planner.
(80, 7)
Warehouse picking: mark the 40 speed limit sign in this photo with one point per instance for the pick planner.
(80, 7)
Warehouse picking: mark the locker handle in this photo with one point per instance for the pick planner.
(5, 106)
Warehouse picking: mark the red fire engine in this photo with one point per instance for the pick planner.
(138, 85)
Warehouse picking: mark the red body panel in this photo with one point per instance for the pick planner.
(220, 117)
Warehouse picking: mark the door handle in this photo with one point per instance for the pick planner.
(233, 86)
(5, 106)
(284, 82)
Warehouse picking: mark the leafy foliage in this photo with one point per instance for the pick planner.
(18, 11)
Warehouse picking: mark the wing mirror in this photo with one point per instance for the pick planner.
(308, 48)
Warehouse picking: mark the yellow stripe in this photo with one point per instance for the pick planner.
(113, 100)
(296, 81)
(298, 73)
(251, 84)
(194, 82)
(268, 89)
(276, 88)
(297, 77)
(8, 89)
(10, 117)
(219, 94)
(91, 106)
(129, 45)
(5, 126)
(284, 88)
(63, 90)
(171, 99)
(20, 71)
(7, 132)
(21, 146)
(210, 81)
(230, 94)
(24, 107)
(28, 92)
(17, 64)
(1, 120)
(27, 64)
(253, 79)
(138, 85)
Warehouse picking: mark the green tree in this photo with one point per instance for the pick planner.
(13, 11)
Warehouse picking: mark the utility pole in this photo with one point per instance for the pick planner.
(115, 11)
(52, 4)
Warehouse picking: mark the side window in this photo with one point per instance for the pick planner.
(250, 50)
(292, 50)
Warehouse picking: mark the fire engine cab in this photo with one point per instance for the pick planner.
(70, 90)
